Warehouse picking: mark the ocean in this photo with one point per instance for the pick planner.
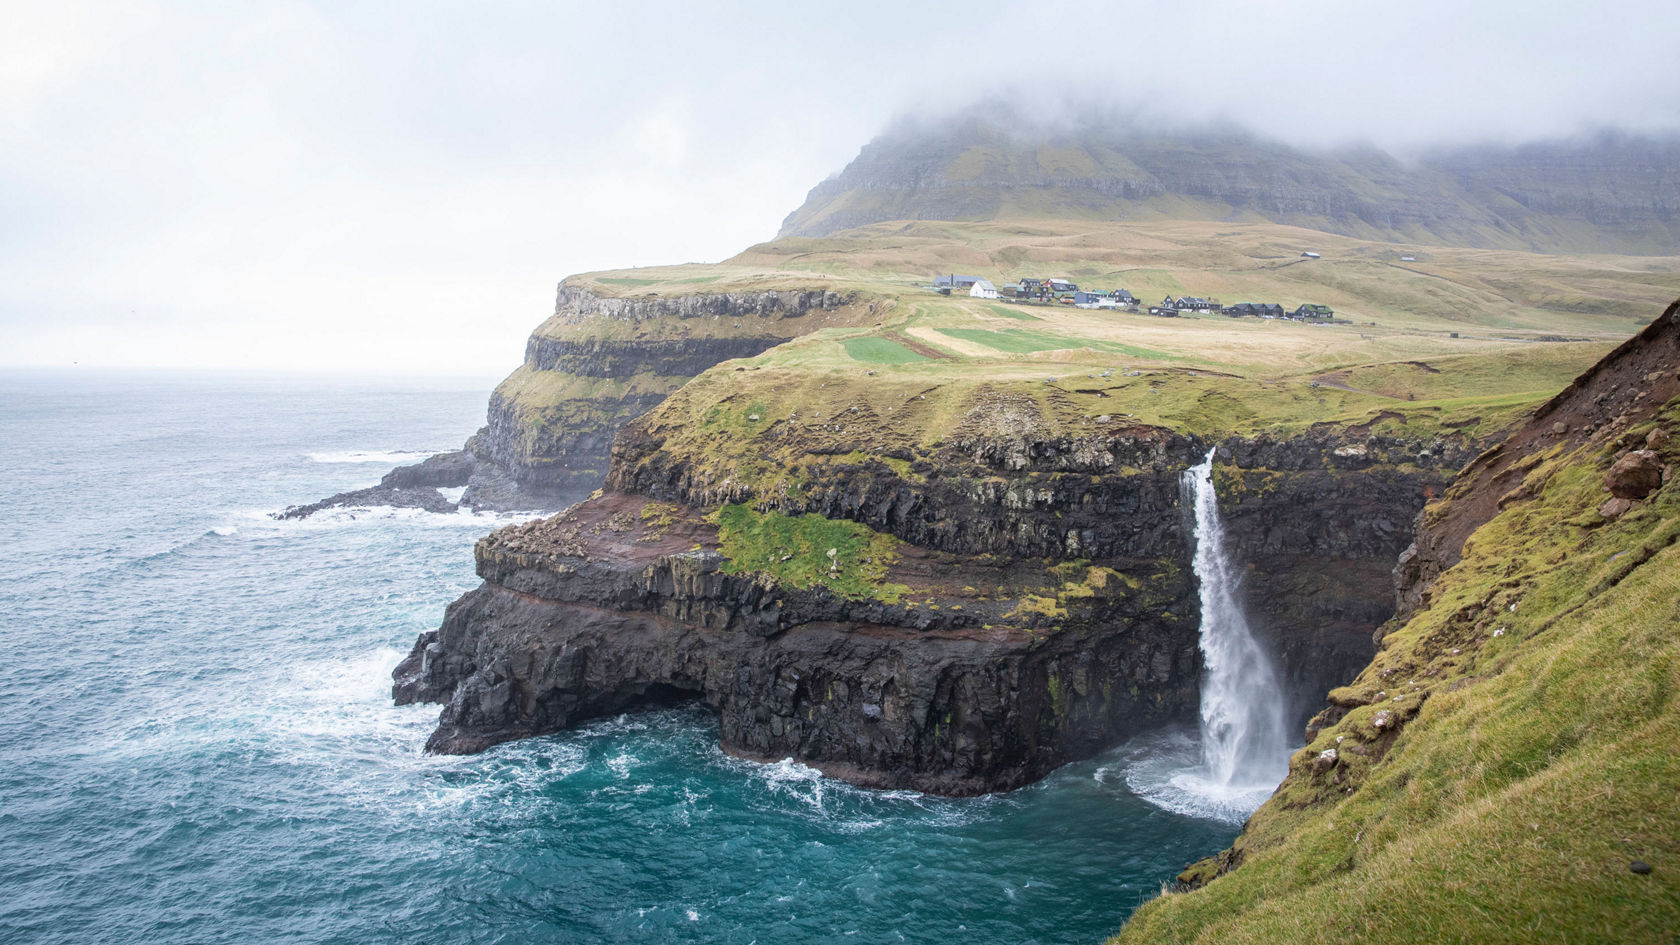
(198, 745)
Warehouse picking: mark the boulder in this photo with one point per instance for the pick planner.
(1634, 476)
(1614, 508)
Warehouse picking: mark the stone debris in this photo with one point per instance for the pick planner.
(1635, 476)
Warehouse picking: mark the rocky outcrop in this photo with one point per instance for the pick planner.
(985, 674)
(576, 304)
(550, 426)
(600, 612)
(422, 497)
(1630, 382)
(1319, 518)
(443, 471)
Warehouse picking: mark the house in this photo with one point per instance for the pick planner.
(1239, 309)
(983, 290)
(1032, 289)
(1271, 310)
(955, 282)
(1085, 299)
(1163, 311)
(1123, 297)
(1312, 313)
(1408, 259)
(1062, 287)
(1309, 254)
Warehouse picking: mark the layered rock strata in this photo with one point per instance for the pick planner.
(597, 363)
(598, 611)
(1048, 610)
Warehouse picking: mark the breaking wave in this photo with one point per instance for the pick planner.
(387, 457)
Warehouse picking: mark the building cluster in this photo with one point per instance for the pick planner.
(1066, 292)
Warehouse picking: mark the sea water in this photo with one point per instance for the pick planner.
(197, 741)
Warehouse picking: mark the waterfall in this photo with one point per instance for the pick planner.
(1244, 750)
(1243, 742)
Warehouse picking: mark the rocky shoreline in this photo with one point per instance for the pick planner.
(977, 680)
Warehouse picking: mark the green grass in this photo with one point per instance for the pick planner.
(1027, 341)
(877, 350)
(1004, 311)
(793, 549)
(628, 281)
(1534, 756)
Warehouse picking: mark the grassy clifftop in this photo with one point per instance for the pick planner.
(1504, 770)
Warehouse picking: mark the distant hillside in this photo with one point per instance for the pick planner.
(1609, 193)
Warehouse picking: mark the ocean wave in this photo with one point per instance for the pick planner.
(388, 457)
(348, 515)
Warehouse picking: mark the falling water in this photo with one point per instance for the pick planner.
(1243, 743)
(1244, 750)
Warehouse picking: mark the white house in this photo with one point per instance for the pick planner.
(983, 290)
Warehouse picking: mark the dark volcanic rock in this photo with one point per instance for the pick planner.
(1635, 476)
(579, 616)
(606, 616)
(424, 497)
(443, 471)
(954, 712)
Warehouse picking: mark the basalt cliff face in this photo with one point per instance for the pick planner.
(602, 361)
(1029, 597)
(597, 363)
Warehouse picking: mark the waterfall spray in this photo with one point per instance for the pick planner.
(1244, 747)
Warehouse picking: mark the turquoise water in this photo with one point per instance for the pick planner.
(197, 743)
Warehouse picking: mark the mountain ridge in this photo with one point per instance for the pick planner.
(1610, 192)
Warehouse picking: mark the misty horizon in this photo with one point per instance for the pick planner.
(295, 185)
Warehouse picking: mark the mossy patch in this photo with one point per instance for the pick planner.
(796, 551)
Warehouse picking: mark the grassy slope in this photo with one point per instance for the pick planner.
(1534, 759)
(1498, 303)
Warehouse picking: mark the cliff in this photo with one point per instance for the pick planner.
(597, 363)
(1503, 769)
(1610, 193)
(953, 588)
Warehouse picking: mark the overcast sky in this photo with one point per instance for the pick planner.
(397, 187)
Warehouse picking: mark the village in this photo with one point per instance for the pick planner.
(1034, 291)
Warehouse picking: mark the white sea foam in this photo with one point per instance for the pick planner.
(452, 493)
(224, 531)
(347, 516)
(388, 457)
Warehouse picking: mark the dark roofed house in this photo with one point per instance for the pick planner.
(1240, 310)
(1123, 297)
(1060, 286)
(1272, 310)
(955, 282)
(1313, 313)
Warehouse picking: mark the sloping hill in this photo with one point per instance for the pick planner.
(1504, 769)
(1611, 193)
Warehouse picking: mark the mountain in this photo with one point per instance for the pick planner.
(1607, 193)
